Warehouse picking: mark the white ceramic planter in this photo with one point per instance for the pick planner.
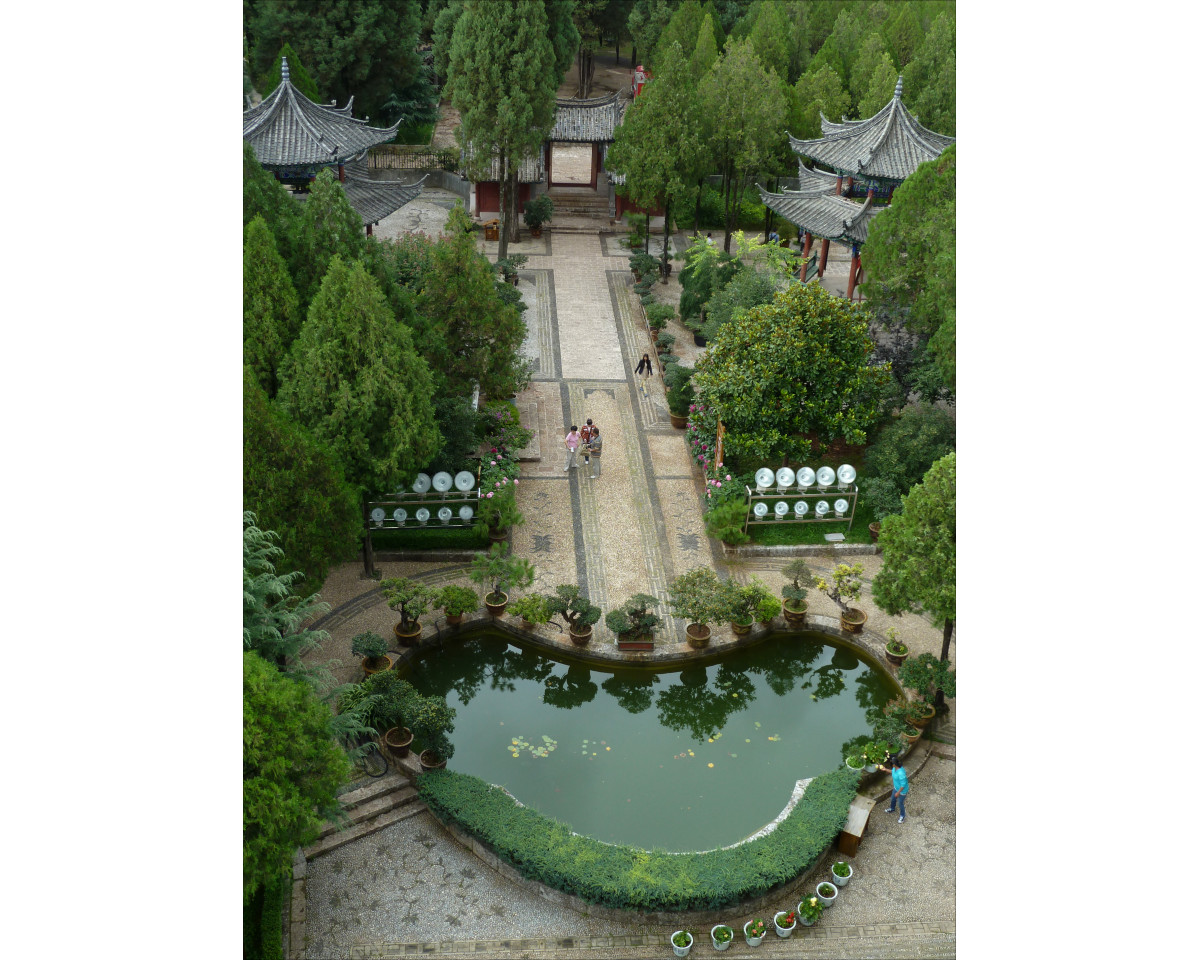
(681, 951)
(828, 901)
(783, 932)
(713, 933)
(842, 881)
(752, 941)
(856, 769)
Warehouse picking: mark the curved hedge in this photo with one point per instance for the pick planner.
(545, 850)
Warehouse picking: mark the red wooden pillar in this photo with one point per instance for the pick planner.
(855, 264)
(824, 257)
(849, 184)
(804, 255)
(870, 193)
(838, 191)
(369, 226)
(341, 173)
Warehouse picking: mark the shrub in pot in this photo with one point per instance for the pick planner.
(642, 265)
(681, 942)
(843, 588)
(457, 600)
(927, 675)
(754, 930)
(508, 266)
(785, 923)
(633, 619)
(658, 315)
(724, 522)
(680, 393)
(533, 608)
(431, 721)
(895, 651)
(498, 572)
(577, 611)
(373, 649)
(497, 511)
(411, 600)
(744, 600)
(794, 593)
(664, 342)
(769, 607)
(538, 211)
(699, 597)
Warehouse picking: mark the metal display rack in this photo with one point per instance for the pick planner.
(848, 491)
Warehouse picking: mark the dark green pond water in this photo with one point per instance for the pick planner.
(684, 760)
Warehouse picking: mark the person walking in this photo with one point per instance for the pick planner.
(585, 440)
(594, 447)
(646, 369)
(571, 441)
(899, 786)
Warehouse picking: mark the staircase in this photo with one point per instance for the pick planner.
(370, 808)
(579, 202)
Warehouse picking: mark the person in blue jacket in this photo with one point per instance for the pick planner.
(899, 786)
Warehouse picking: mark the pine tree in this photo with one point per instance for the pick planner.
(501, 80)
(880, 90)
(270, 308)
(328, 226)
(356, 382)
(771, 38)
(264, 196)
(706, 53)
(871, 52)
(818, 92)
(297, 75)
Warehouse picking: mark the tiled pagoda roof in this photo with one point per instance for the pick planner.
(888, 146)
(290, 132)
(375, 199)
(822, 214)
(587, 121)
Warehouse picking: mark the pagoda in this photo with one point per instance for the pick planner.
(881, 151)
(294, 137)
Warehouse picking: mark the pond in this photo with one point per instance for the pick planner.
(683, 760)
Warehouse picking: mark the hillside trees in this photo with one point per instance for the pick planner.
(270, 309)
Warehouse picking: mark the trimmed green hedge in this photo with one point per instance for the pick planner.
(545, 850)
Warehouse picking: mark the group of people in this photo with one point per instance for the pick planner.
(588, 440)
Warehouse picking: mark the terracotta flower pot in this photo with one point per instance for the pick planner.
(430, 761)
(698, 634)
(680, 423)
(895, 659)
(495, 609)
(580, 638)
(873, 529)
(853, 620)
(381, 664)
(398, 740)
(412, 636)
(454, 619)
(742, 629)
(794, 611)
(635, 641)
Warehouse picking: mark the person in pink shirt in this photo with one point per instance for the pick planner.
(572, 444)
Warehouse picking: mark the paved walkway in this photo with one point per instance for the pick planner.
(410, 889)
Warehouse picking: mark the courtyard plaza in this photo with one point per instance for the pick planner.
(411, 888)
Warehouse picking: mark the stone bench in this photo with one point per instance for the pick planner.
(856, 825)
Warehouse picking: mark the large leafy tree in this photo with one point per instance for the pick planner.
(291, 770)
(818, 91)
(870, 53)
(745, 108)
(589, 17)
(476, 335)
(296, 487)
(918, 547)
(706, 52)
(658, 146)
(361, 48)
(935, 55)
(838, 49)
(355, 381)
(328, 227)
(502, 81)
(683, 28)
(909, 257)
(646, 23)
(880, 89)
(443, 35)
(270, 310)
(797, 368)
(564, 35)
(771, 38)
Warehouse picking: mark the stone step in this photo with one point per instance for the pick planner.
(332, 841)
(372, 789)
(372, 808)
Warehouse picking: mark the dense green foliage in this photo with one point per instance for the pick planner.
(909, 257)
(264, 196)
(791, 371)
(297, 75)
(327, 227)
(270, 309)
(291, 770)
(905, 449)
(366, 49)
(297, 488)
(546, 851)
(356, 382)
(748, 288)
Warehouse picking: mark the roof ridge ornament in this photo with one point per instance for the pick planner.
(899, 87)
(284, 75)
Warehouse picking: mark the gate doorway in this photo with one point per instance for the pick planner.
(572, 164)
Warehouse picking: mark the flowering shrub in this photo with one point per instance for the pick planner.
(702, 436)
(501, 428)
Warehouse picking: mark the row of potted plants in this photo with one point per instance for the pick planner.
(808, 911)
(390, 705)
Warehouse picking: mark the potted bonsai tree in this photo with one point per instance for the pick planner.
(533, 609)
(895, 651)
(929, 676)
(411, 600)
(794, 604)
(456, 600)
(745, 602)
(508, 267)
(431, 721)
(843, 588)
(373, 649)
(498, 571)
(577, 611)
(700, 597)
(633, 623)
(497, 513)
(642, 265)
(680, 394)
(538, 211)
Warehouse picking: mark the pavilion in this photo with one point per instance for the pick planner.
(881, 152)
(295, 138)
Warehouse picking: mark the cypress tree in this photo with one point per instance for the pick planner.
(270, 309)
